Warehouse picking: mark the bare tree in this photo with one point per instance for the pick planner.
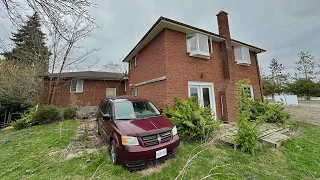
(48, 10)
(67, 52)
(116, 67)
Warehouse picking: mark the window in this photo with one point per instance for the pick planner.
(198, 45)
(111, 92)
(127, 110)
(137, 92)
(249, 90)
(242, 55)
(76, 86)
(136, 60)
(130, 64)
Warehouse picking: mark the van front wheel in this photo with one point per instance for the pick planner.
(113, 152)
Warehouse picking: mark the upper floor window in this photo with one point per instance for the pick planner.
(198, 45)
(137, 92)
(242, 55)
(130, 64)
(136, 60)
(76, 86)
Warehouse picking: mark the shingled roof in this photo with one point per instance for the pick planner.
(92, 75)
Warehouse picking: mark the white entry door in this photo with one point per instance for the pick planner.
(204, 93)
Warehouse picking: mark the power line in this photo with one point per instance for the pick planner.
(301, 42)
(286, 25)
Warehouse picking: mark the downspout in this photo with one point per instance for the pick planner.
(259, 76)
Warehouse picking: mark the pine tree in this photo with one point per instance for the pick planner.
(278, 79)
(29, 46)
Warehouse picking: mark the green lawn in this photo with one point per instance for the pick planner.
(25, 154)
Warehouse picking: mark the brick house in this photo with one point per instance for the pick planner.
(176, 59)
(85, 88)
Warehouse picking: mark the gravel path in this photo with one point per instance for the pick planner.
(305, 114)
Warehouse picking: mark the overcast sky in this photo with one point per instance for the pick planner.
(282, 27)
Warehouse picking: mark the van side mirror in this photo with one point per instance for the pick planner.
(160, 110)
(106, 117)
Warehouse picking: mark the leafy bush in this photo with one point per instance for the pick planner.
(192, 121)
(274, 113)
(45, 115)
(70, 112)
(20, 124)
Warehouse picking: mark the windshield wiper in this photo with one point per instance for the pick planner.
(124, 119)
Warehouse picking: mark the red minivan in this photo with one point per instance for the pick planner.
(137, 132)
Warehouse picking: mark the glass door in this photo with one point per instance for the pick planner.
(203, 92)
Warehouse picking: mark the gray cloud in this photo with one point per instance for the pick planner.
(255, 22)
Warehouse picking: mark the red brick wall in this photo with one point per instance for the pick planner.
(93, 92)
(151, 65)
(182, 68)
(166, 55)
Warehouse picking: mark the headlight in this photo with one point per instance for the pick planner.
(174, 131)
(129, 141)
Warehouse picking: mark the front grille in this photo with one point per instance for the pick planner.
(147, 138)
(152, 140)
(151, 143)
(165, 139)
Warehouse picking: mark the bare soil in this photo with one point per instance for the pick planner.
(305, 114)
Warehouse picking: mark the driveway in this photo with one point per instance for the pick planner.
(309, 113)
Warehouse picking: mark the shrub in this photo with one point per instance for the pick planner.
(45, 115)
(274, 113)
(20, 124)
(248, 131)
(193, 122)
(70, 112)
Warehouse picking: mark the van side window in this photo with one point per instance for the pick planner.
(109, 109)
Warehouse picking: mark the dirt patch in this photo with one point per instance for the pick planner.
(86, 141)
(305, 114)
(153, 169)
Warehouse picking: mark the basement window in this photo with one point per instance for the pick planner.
(76, 86)
(242, 55)
(198, 45)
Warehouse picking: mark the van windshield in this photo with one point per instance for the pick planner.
(134, 110)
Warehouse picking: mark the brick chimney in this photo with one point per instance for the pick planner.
(227, 64)
(223, 24)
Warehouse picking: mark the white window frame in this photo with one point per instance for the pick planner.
(251, 89)
(130, 64)
(244, 54)
(78, 81)
(198, 52)
(115, 92)
(136, 60)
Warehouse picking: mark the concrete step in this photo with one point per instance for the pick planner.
(274, 140)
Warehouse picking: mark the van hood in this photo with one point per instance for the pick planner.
(145, 126)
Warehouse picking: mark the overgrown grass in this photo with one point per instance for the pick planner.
(25, 154)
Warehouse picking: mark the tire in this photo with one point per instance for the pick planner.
(97, 127)
(113, 152)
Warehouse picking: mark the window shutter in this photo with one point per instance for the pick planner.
(80, 86)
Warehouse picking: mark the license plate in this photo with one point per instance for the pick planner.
(160, 153)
